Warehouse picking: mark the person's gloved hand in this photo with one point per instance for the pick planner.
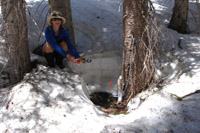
(71, 58)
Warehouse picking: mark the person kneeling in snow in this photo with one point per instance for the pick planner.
(58, 44)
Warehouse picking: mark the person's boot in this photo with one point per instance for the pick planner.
(50, 59)
(59, 60)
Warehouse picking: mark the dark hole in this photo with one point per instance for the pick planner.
(103, 99)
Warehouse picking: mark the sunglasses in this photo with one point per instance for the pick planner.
(54, 19)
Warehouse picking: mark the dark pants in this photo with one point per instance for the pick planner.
(53, 58)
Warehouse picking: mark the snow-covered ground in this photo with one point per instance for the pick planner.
(54, 101)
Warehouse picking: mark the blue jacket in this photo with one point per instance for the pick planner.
(63, 35)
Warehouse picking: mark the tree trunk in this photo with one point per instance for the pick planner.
(137, 69)
(64, 7)
(16, 38)
(178, 20)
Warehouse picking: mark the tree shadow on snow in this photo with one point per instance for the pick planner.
(36, 13)
(180, 116)
(46, 94)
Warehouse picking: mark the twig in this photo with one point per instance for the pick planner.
(181, 98)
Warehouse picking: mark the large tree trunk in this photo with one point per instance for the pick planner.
(178, 20)
(16, 37)
(137, 69)
(64, 7)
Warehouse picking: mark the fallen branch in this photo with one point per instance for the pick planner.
(181, 98)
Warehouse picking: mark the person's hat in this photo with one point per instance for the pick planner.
(55, 14)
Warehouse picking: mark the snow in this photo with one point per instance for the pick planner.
(56, 101)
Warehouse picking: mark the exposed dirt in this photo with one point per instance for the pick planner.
(107, 102)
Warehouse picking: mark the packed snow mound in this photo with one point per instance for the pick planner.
(52, 100)
(43, 98)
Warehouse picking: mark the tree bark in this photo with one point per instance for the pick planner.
(137, 69)
(178, 20)
(64, 6)
(16, 38)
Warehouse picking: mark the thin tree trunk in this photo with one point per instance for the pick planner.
(16, 37)
(137, 69)
(64, 6)
(179, 17)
